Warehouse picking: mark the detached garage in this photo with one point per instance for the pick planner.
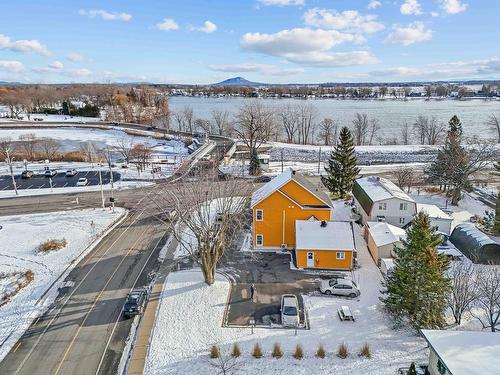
(381, 238)
(325, 244)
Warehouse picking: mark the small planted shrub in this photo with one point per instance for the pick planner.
(277, 353)
(52, 245)
(321, 352)
(299, 352)
(257, 351)
(236, 352)
(365, 351)
(343, 352)
(214, 352)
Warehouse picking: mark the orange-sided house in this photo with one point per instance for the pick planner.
(277, 205)
(325, 244)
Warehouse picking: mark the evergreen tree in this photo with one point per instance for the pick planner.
(412, 370)
(254, 168)
(342, 166)
(417, 286)
(455, 125)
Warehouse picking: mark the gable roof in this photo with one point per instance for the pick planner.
(370, 189)
(466, 352)
(433, 211)
(277, 182)
(384, 234)
(336, 235)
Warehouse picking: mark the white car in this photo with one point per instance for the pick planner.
(82, 182)
(341, 287)
(289, 310)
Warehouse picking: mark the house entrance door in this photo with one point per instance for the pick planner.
(310, 260)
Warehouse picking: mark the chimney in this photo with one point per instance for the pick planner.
(323, 224)
(293, 172)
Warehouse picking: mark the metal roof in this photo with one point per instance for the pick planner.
(475, 245)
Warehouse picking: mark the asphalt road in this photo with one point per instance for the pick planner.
(58, 181)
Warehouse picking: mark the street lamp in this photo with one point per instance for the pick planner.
(9, 160)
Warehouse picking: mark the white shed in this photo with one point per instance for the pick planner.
(439, 219)
(381, 238)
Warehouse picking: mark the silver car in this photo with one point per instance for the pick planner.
(341, 287)
(289, 310)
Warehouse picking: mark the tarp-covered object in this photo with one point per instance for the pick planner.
(475, 245)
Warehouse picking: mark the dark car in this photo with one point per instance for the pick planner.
(50, 173)
(152, 127)
(27, 174)
(263, 179)
(134, 305)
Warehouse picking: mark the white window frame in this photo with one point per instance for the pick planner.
(382, 206)
(340, 255)
(261, 215)
(403, 206)
(257, 236)
(402, 220)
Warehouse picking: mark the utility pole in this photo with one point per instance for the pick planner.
(102, 191)
(9, 161)
(281, 160)
(319, 161)
(111, 180)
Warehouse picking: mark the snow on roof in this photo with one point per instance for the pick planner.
(379, 188)
(389, 263)
(383, 233)
(280, 180)
(433, 211)
(336, 235)
(466, 352)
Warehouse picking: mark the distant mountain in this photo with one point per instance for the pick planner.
(238, 81)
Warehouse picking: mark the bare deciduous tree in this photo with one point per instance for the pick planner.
(463, 288)
(210, 214)
(405, 178)
(225, 364)
(374, 128)
(494, 122)
(179, 119)
(360, 131)
(328, 131)
(488, 297)
(289, 120)
(141, 154)
(201, 124)
(221, 121)
(188, 118)
(428, 130)
(29, 145)
(405, 133)
(124, 147)
(49, 147)
(89, 151)
(307, 115)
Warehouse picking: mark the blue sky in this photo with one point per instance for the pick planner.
(205, 41)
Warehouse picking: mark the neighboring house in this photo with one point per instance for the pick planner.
(463, 352)
(475, 245)
(378, 199)
(381, 238)
(277, 205)
(439, 219)
(325, 244)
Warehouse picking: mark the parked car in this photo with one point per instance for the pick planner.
(27, 174)
(289, 310)
(135, 302)
(82, 181)
(71, 172)
(341, 287)
(263, 179)
(151, 127)
(50, 173)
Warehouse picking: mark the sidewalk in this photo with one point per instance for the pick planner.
(141, 344)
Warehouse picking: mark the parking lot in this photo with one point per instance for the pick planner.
(60, 180)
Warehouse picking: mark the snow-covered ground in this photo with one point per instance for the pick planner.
(47, 118)
(190, 315)
(20, 237)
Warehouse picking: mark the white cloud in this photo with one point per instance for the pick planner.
(73, 56)
(453, 6)
(23, 46)
(281, 3)
(411, 7)
(349, 20)
(56, 65)
(167, 24)
(265, 69)
(326, 59)
(407, 35)
(434, 14)
(11, 66)
(208, 27)
(105, 15)
(374, 4)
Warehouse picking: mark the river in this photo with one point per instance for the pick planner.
(390, 113)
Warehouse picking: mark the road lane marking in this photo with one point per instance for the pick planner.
(17, 346)
(41, 186)
(29, 187)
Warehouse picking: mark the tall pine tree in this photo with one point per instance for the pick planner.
(417, 286)
(342, 166)
(455, 125)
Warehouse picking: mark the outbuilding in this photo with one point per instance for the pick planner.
(381, 238)
(475, 245)
(325, 244)
(440, 220)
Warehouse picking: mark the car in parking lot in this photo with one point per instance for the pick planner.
(82, 181)
(27, 174)
(263, 179)
(289, 310)
(50, 173)
(134, 305)
(340, 287)
(71, 172)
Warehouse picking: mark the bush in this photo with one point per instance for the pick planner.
(365, 351)
(236, 352)
(277, 353)
(214, 352)
(343, 352)
(321, 352)
(257, 351)
(52, 245)
(299, 352)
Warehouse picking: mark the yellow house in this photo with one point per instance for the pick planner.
(277, 205)
(325, 244)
